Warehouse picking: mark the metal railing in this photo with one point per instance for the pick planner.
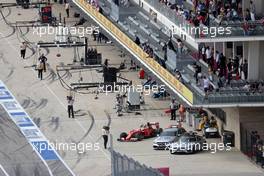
(125, 166)
(231, 28)
(251, 146)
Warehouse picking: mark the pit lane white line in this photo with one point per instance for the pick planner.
(3, 169)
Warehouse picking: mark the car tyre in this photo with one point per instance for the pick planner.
(139, 136)
(158, 131)
(206, 135)
(123, 135)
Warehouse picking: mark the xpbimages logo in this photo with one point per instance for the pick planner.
(72, 146)
(62, 30)
(186, 147)
(146, 89)
(201, 31)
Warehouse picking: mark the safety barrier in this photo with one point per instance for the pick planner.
(123, 166)
(126, 41)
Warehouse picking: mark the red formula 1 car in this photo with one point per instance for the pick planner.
(151, 129)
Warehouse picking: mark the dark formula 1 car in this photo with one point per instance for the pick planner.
(145, 131)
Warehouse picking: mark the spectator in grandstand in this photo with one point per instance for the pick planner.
(178, 75)
(228, 9)
(247, 15)
(229, 76)
(216, 60)
(222, 67)
(170, 45)
(261, 87)
(234, 15)
(246, 26)
(198, 70)
(229, 64)
(210, 73)
(236, 65)
(80, 22)
(208, 53)
(247, 87)
(67, 9)
(252, 9)
(221, 81)
(180, 46)
(137, 41)
(206, 84)
(213, 8)
(203, 49)
(244, 69)
(148, 50)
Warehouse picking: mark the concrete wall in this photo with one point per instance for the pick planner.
(252, 119)
(253, 60)
(233, 123)
(245, 50)
(249, 118)
(255, 55)
(261, 60)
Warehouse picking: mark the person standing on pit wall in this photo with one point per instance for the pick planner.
(105, 134)
(70, 100)
(23, 48)
(173, 109)
(40, 68)
(67, 9)
(43, 60)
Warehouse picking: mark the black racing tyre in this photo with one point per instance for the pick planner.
(206, 135)
(123, 135)
(139, 136)
(159, 130)
(191, 151)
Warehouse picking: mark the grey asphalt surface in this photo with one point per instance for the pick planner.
(17, 156)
